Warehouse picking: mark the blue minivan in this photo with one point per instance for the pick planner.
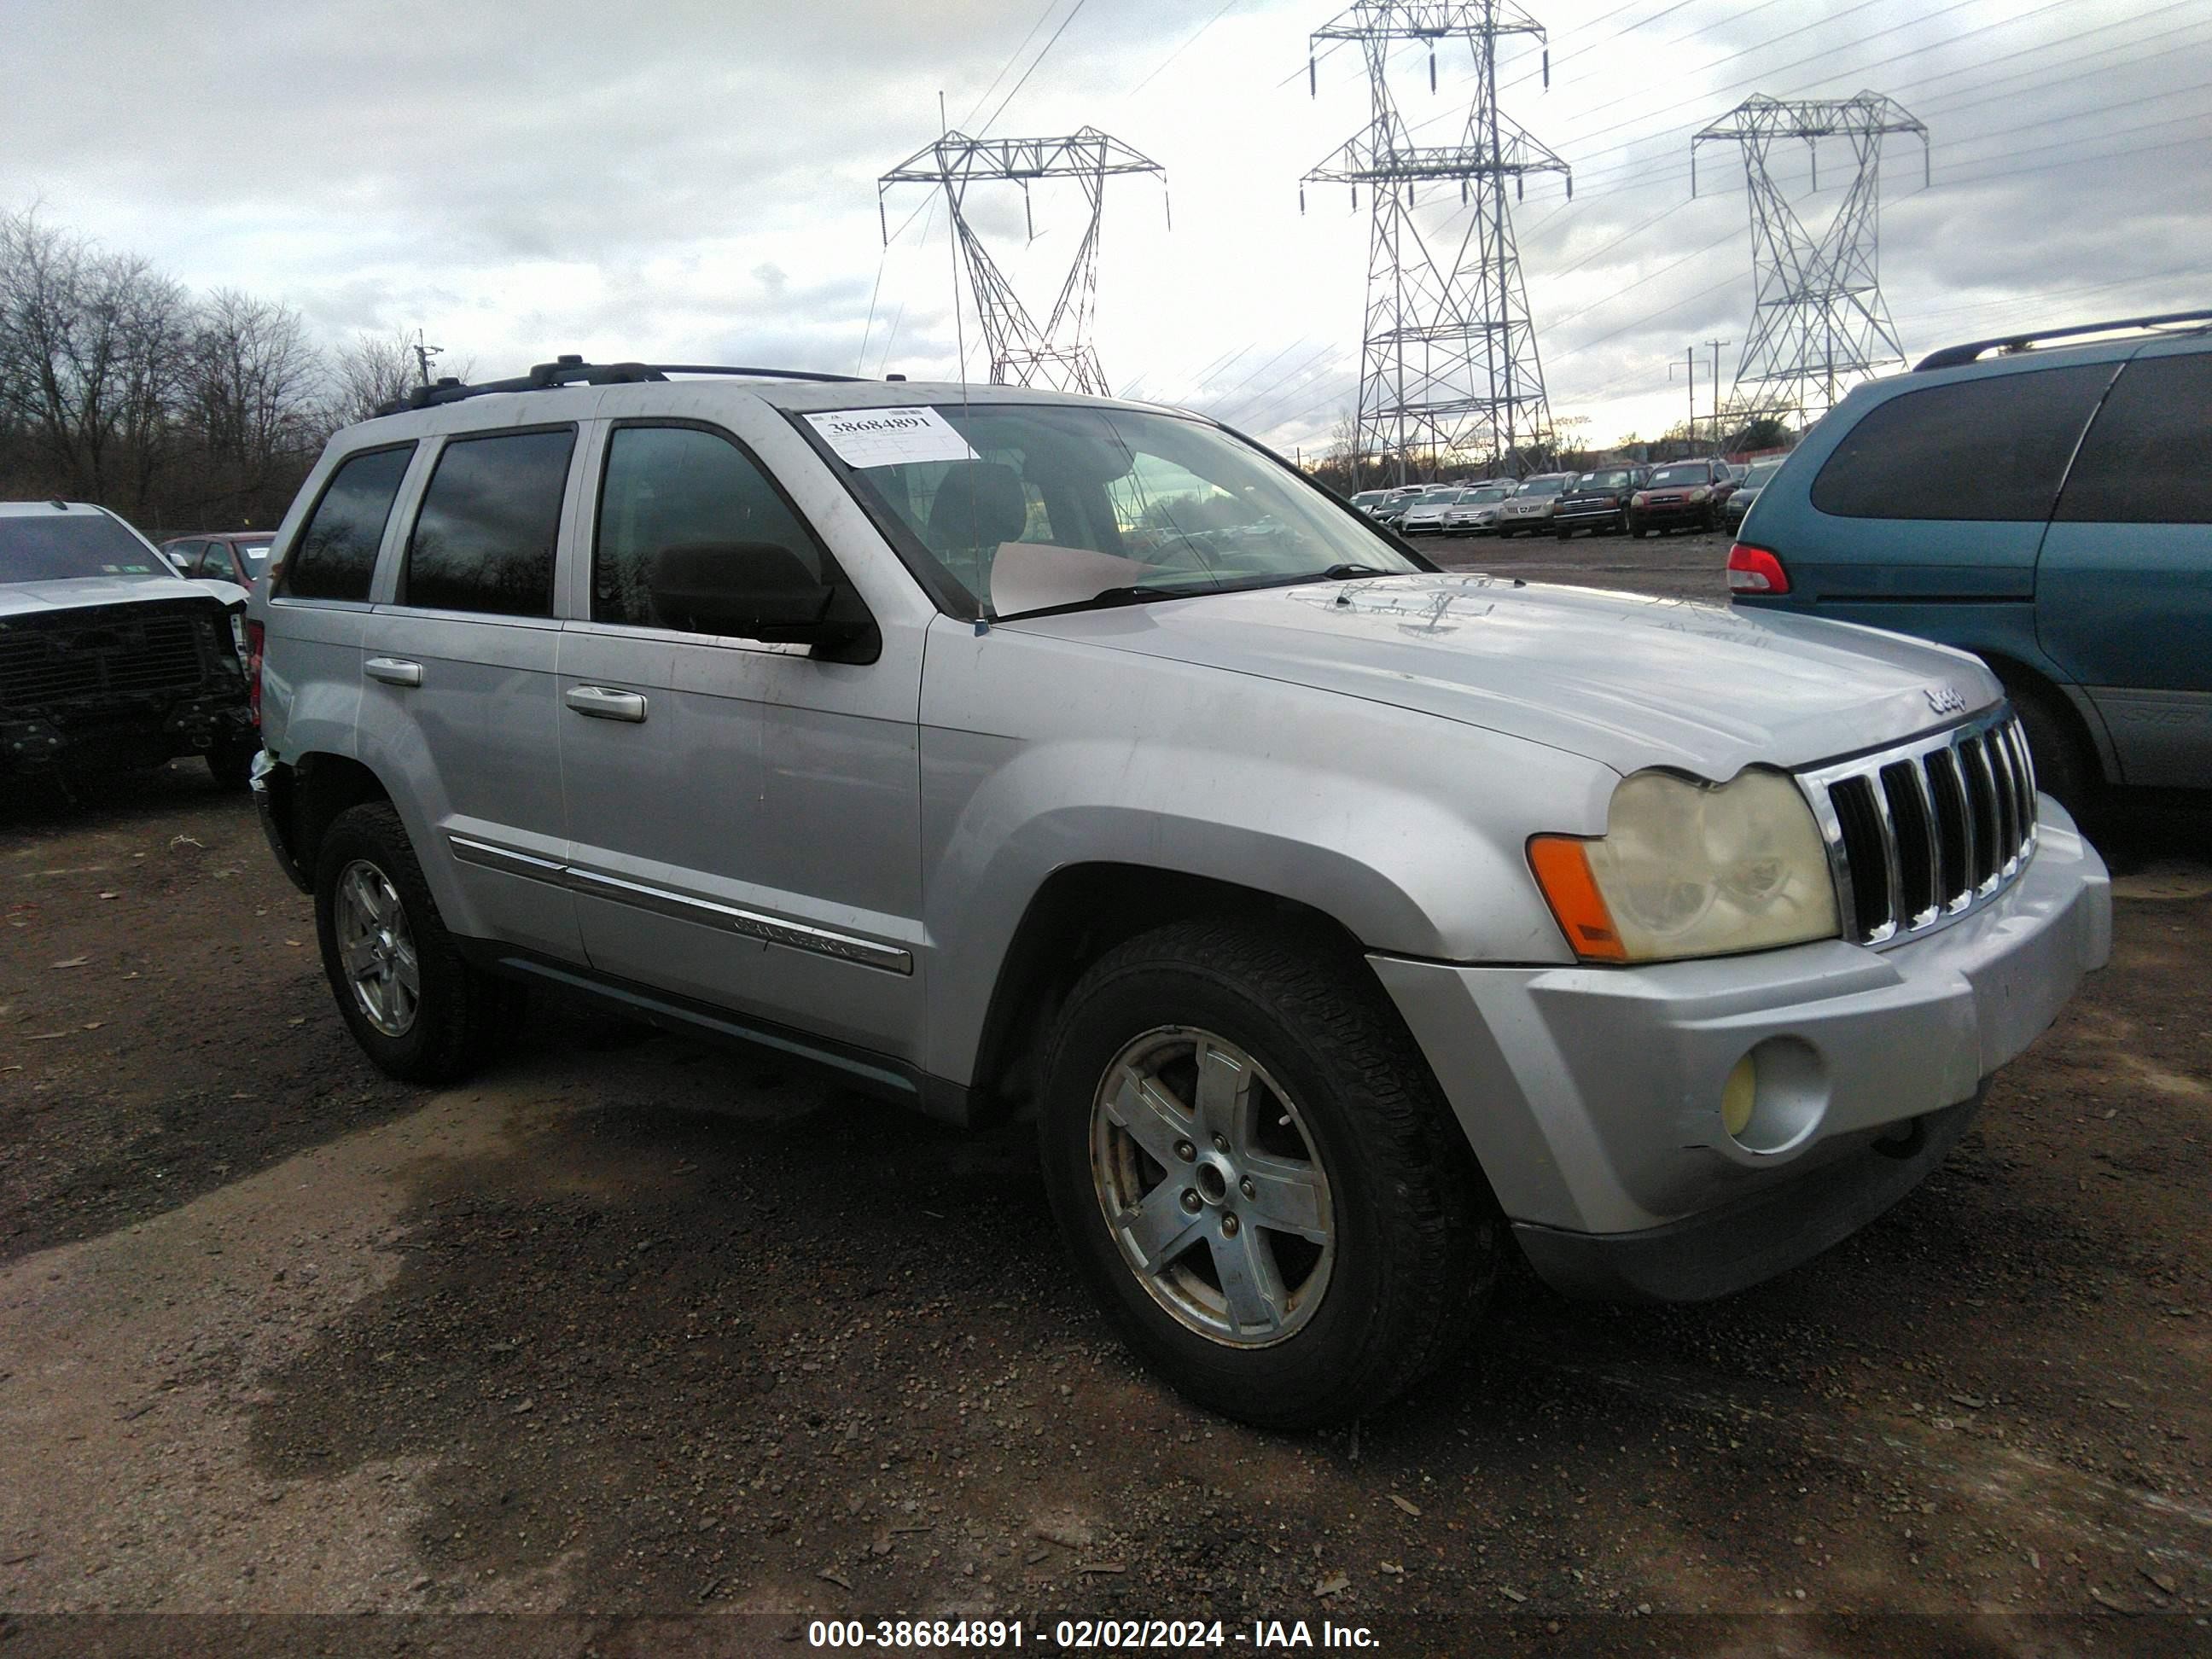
(2047, 507)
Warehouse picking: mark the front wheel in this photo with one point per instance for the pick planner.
(413, 1002)
(1253, 1168)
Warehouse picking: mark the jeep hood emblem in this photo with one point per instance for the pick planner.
(1944, 699)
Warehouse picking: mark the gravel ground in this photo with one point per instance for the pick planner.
(630, 1326)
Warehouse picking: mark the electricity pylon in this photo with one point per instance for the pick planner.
(1449, 363)
(1819, 322)
(1060, 355)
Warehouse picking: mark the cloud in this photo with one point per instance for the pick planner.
(689, 180)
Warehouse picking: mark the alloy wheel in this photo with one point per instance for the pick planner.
(1213, 1187)
(377, 948)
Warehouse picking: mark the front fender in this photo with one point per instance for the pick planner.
(1406, 829)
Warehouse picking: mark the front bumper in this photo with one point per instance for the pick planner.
(1578, 514)
(1673, 513)
(1592, 1096)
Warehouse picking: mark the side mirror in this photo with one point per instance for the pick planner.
(753, 591)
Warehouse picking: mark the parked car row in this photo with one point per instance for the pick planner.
(1633, 500)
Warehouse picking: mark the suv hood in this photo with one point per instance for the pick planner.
(1626, 679)
(82, 592)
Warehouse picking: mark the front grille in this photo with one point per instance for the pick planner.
(116, 651)
(1919, 835)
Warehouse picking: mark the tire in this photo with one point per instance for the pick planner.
(2065, 765)
(231, 763)
(1563, 533)
(1391, 1279)
(456, 1015)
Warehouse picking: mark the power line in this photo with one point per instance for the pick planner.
(1012, 57)
(1227, 6)
(1044, 52)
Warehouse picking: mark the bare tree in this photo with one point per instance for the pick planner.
(369, 373)
(92, 358)
(251, 401)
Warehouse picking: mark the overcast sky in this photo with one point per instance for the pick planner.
(697, 181)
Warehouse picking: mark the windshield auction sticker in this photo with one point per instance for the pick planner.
(891, 437)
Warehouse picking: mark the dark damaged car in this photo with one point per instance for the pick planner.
(110, 660)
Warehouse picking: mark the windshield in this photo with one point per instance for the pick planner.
(1551, 486)
(1616, 479)
(53, 547)
(1033, 506)
(1760, 472)
(1369, 497)
(1436, 497)
(1694, 474)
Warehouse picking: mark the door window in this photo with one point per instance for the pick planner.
(2148, 459)
(682, 487)
(484, 539)
(335, 557)
(1991, 449)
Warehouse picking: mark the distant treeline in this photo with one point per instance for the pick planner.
(180, 411)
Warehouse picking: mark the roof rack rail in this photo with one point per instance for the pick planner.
(1953, 356)
(572, 370)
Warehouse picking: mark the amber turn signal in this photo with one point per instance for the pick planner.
(1563, 871)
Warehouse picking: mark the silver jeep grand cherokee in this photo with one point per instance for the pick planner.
(1340, 920)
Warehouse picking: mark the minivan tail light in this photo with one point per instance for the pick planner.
(255, 632)
(1755, 570)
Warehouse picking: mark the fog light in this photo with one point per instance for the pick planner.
(1737, 1096)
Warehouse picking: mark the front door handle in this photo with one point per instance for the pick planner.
(392, 671)
(604, 703)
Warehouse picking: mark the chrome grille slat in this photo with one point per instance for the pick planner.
(1965, 798)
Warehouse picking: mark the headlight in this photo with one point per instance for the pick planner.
(1699, 493)
(1690, 870)
(1637, 500)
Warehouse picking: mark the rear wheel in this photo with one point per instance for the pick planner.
(1250, 1162)
(415, 1006)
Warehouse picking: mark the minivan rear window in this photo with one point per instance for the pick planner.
(2148, 459)
(1992, 449)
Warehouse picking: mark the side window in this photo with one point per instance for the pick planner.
(1989, 449)
(217, 563)
(681, 487)
(2148, 459)
(335, 556)
(485, 538)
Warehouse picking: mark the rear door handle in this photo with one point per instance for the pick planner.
(604, 703)
(392, 671)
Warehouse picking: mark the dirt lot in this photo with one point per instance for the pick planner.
(632, 1327)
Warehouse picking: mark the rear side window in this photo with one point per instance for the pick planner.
(680, 486)
(1989, 449)
(2148, 459)
(485, 538)
(335, 554)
